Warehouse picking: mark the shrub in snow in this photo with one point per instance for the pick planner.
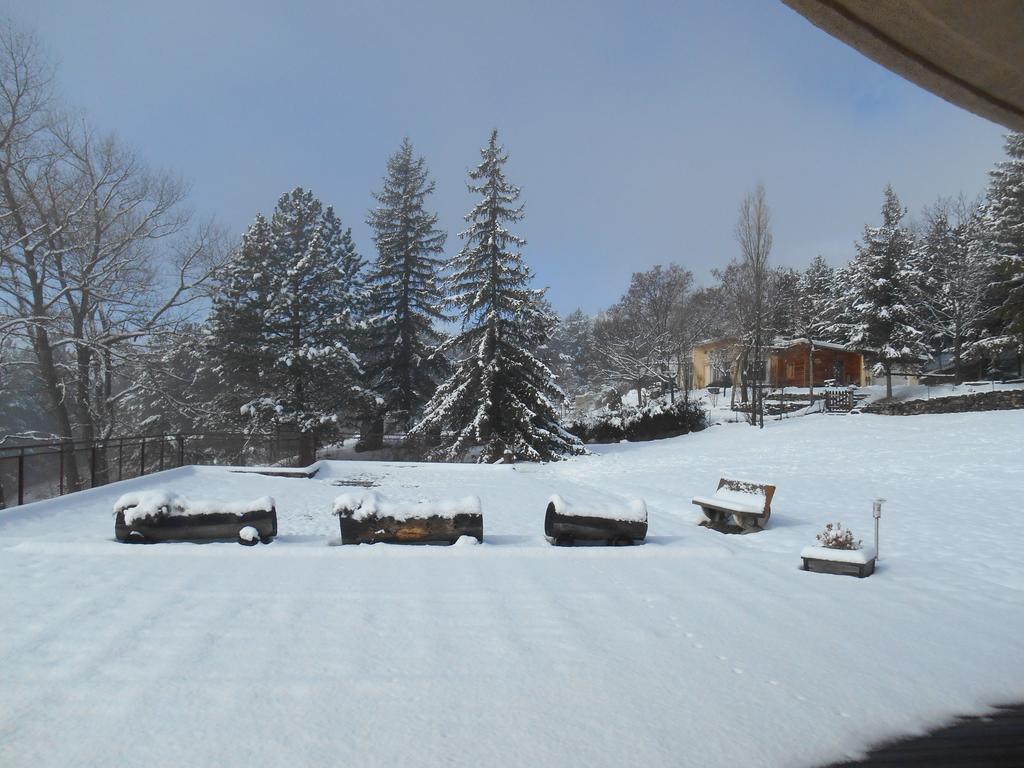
(654, 420)
(835, 537)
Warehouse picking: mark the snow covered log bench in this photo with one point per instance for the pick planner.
(615, 524)
(152, 516)
(369, 519)
(749, 503)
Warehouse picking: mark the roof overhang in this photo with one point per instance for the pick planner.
(969, 52)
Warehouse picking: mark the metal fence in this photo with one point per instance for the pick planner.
(33, 470)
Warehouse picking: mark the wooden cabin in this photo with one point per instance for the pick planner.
(788, 364)
(791, 364)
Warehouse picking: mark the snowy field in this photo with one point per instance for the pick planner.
(695, 649)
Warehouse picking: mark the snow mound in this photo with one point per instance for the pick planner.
(161, 503)
(361, 506)
(630, 511)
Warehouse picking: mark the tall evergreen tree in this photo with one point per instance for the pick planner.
(406, 297)
(576, 358)
(500, 396)
(282, 331)
(815, 298)
(880, 316)
(813, 309)
(1004, 218)
(953, 283)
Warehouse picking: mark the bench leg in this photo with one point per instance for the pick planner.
(714, 516)
(749, 523)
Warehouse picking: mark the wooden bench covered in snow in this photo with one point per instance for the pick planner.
(749, 503)
(148, 517)
(368, 519)
(616, 524)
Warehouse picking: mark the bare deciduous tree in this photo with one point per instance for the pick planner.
(754, 234)
(638, 337)
(97, 253)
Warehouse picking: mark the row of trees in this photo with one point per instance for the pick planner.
(948, 288)
(307, 337)
(118, 311)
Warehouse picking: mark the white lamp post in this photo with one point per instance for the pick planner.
(876, 511)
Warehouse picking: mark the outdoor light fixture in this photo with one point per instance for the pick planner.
(876, 511)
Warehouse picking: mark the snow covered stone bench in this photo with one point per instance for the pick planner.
(749, 503)
(616, 524)
(152, 516)
(369, 519)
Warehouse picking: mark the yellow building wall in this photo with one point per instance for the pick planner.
(701, 368)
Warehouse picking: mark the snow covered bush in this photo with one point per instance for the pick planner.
(834, 537)
(654, 420)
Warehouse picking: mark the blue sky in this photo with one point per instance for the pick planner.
(634, 128)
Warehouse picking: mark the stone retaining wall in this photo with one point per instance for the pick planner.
(978, 401)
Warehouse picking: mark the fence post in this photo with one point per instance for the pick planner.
(162, 439)
(142, 458)
(60, 483)
(92, 466)
(21, 477)
(120, 457)
(181, 449)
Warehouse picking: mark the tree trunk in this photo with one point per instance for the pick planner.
(58, 403)
(810, 369)
(888, 382)
(307, 448)
(958, 376)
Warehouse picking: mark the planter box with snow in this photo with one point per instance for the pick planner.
(846, 562)
(154, 516)
(368, 519)
(616, 524)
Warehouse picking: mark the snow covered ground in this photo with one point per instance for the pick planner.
(696, 649)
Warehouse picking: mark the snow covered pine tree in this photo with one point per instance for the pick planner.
(282, 329)
(812, 315)
(500, 397)
(1004, 218)
(877, 283)
(954, 279)
(405, 297)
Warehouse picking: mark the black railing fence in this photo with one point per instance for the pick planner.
(34, 470)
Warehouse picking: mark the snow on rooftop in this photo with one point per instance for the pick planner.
(699, 649)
